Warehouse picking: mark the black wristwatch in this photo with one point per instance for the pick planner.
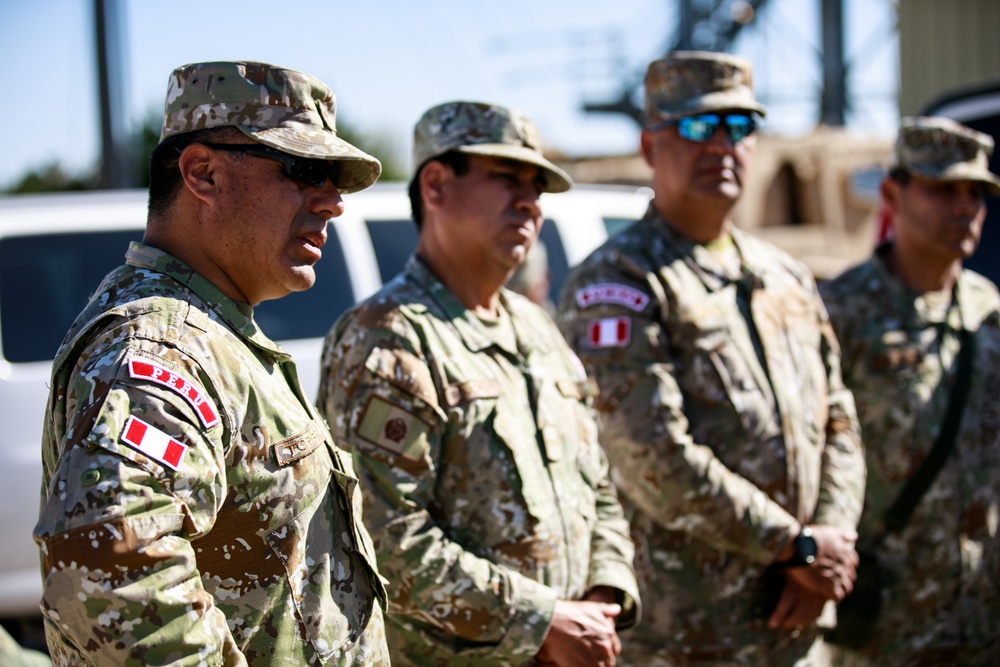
(805, 550)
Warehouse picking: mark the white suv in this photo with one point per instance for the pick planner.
(54, 250)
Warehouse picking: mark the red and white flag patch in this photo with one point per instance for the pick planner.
(609, 332)
(153, 442)
(146, 370)
(614, 293)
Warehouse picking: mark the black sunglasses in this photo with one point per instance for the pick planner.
(701, 128)
(309, 171)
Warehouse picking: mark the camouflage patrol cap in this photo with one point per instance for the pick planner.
(691, 82)
(941, 149)
(281, 108)
(483, 129)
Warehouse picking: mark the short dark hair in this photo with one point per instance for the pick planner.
(458, 162)
(900, 175)
(165, 176)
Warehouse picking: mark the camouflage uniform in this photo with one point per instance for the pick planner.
(723, 411)
(719, 457)
(487, 492)
(195, 509)
(898, 357)
(940, 602)
(251, 551)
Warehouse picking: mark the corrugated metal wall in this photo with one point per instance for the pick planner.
(944, 45)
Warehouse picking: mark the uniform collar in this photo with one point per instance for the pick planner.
(700, 259)
(907, 303)
(239, 316)
(474, 334)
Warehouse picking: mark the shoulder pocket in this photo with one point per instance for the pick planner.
(405, 371)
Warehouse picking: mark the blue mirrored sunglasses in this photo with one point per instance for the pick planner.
(701, 128)
(308, 171)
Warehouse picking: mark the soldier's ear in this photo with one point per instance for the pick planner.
(198, 166)
(890, 190)
(646, 146)
(434, 178)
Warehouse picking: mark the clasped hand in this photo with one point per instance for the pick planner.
(830, 577)
(582, 634)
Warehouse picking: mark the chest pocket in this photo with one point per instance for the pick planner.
(301, 473)
(901, 399)
(804, 331)
(331, 582)
(288, 490)
(717, 379)
(492, 486)
(569, 431)
(264, 501)
(562, 460)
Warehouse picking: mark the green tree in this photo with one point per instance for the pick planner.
(144, 140)
(51, 178)
(54, 178)
(379, 145)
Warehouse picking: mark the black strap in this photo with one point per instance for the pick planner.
(899, 514)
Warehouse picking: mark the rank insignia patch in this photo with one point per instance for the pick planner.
(153, 443)
(613, 293)
(390, 427)
(396, 429)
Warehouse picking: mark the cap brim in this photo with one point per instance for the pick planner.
(358, 169)
(710, 102)
(962, 172)
(556, 180)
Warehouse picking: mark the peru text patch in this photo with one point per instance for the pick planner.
(613, 293)
(146, 370)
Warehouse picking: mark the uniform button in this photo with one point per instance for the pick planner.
(90, 477)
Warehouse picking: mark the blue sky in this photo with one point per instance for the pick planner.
(389, 60)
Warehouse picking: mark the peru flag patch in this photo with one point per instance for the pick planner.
(609, 332)
(146, 370)
(613, 293)
(153, 442)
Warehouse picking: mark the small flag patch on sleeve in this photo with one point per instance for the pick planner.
(147, 370)
(153, 443)
(609, 332)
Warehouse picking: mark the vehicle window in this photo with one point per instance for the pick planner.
(615, 225)
(864, 184)
(311, 313)
(394, 242)
(45, 281)
(558, 264)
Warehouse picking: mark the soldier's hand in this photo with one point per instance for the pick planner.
(602, 594)
(833, 572)
(797, 607)
(582, 635)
